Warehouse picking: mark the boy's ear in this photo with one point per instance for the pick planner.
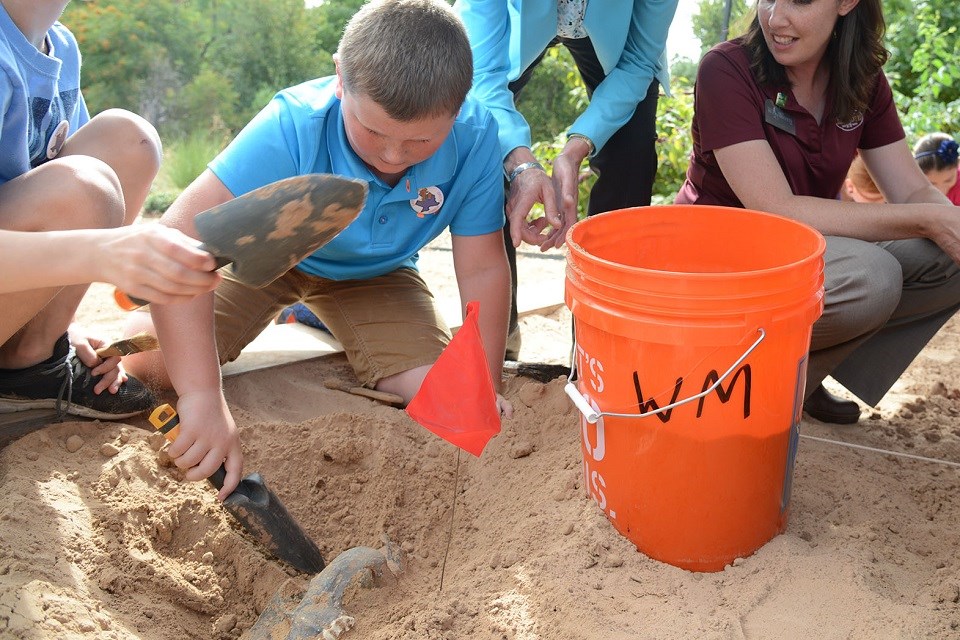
(339, 89)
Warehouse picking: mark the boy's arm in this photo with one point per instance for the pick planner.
(483, 275)
(208, 435)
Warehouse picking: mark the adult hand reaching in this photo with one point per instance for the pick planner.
(528, 187)
(566, 181)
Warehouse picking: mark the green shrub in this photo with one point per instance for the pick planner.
(674, 143)
(188, 157)
(158, 202)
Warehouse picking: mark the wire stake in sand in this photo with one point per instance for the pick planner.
(453, 512)
(911, 456)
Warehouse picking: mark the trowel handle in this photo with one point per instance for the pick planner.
(165, 420)
(130, 303)
(127, 302)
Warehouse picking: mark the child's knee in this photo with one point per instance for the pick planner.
(135, 134)
(148, 366)
(88, 194)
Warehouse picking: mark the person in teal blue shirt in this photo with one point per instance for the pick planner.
(620, 51)
(431, 159)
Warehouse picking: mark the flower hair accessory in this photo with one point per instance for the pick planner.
(948, 152)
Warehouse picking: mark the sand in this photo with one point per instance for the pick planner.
(100, 538)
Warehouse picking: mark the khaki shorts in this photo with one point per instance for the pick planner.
(387, 324)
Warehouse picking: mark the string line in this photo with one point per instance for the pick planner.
(887, 452)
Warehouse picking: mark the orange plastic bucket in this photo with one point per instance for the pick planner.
(692, 326)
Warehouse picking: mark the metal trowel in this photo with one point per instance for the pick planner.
(266, 232)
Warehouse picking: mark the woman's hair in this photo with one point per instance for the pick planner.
(936, 152)
(856, 56)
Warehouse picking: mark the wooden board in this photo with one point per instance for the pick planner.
(282, 344)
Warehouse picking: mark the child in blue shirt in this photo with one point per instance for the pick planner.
(69, 186)
(394, 115)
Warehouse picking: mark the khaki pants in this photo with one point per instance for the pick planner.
(387, 324)
(884, 301)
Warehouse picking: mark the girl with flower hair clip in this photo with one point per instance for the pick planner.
(938, 156)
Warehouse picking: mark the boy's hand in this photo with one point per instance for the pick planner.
(110, 368)
(504, 407)
(156, 263)
(208, 438)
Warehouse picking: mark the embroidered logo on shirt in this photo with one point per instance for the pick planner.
(853, 124)
(428, 201)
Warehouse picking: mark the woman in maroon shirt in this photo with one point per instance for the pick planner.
(779, 115)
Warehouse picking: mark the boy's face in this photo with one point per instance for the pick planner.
(389, 147)
(944, 179)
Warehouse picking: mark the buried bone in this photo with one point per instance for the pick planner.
(319, 613)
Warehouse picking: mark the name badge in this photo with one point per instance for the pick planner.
(777, 117)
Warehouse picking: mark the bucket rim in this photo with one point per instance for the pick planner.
(578, 249)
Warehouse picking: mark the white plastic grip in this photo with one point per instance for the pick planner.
(588, 412)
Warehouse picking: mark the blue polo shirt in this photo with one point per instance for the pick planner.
(301, 131)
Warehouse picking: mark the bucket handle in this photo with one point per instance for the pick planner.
(592, 416)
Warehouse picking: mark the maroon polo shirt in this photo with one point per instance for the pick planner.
(730, 107)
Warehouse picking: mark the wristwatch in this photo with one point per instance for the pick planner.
(523, 166)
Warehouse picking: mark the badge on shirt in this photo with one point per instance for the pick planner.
(777, 117)
(855, 122)
(57, 139)
(428, 201)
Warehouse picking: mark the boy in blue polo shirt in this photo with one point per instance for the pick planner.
(394, 115)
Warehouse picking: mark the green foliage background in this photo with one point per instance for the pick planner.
(200, 69)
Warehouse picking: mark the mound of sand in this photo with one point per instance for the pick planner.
(100, 538)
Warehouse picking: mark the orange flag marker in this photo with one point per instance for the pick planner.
(456, 400)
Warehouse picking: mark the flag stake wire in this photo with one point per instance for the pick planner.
(453, 512)
(886, 452)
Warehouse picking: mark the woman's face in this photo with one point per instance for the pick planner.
(797, 32)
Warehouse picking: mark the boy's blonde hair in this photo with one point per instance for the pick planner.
(411, 57)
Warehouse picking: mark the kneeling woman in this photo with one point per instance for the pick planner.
(779, 115)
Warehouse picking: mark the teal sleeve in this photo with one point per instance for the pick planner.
(643, 59)
(261, 153)
(488, 26)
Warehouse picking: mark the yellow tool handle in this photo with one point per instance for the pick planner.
(165, 420)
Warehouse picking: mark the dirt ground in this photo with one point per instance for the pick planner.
(99, 538)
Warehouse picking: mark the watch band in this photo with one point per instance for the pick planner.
(593, 147)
